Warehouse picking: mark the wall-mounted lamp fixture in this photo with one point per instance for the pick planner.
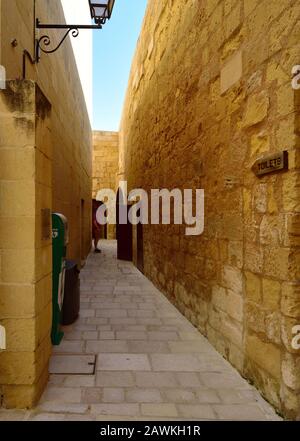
(100, 12)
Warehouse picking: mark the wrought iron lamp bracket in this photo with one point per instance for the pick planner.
(45, 41)
(42, 43)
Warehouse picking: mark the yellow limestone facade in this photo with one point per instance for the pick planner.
(45, 164)
(209, 93)
(105, 166)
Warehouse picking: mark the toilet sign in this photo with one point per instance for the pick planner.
(271, 163)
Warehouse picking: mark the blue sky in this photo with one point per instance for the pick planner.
(114, 47)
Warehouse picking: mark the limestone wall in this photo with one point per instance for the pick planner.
(57, 76)
(209, 92)
(45, 165)
(25, 241)
(105, 166)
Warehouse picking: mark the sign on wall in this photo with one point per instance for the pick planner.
(271, 163)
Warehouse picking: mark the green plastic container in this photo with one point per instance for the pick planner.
(59, 251)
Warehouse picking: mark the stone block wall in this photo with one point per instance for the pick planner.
(105, 166)
(39, 169)
(209, 93)
(57, 76)
(25, 241)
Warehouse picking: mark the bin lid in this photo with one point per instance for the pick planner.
(71, 264)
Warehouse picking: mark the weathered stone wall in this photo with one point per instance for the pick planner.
(26, 249)
(0, 28)
(58, 78)
(209, 92)
(105, 166)
(45, 163)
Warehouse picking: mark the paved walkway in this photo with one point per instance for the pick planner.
(151, 362)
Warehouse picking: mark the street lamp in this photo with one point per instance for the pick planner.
(101, 12)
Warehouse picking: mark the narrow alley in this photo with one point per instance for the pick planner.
(151, 363)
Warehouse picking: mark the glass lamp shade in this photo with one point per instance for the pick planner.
(101, 10)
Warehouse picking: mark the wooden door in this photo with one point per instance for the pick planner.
(140, 247)
(124, 233)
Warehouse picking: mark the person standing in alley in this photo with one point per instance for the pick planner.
(96, 227)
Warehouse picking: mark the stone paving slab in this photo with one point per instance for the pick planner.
(151, 363)
(72, 364)
(123, 362)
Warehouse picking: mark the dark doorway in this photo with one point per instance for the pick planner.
(140, 247)
(82, 231)
(124, 231)
(104, 227)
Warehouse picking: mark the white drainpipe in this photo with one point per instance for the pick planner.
(2, 338)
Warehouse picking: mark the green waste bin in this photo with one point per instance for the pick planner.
(59, 250)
